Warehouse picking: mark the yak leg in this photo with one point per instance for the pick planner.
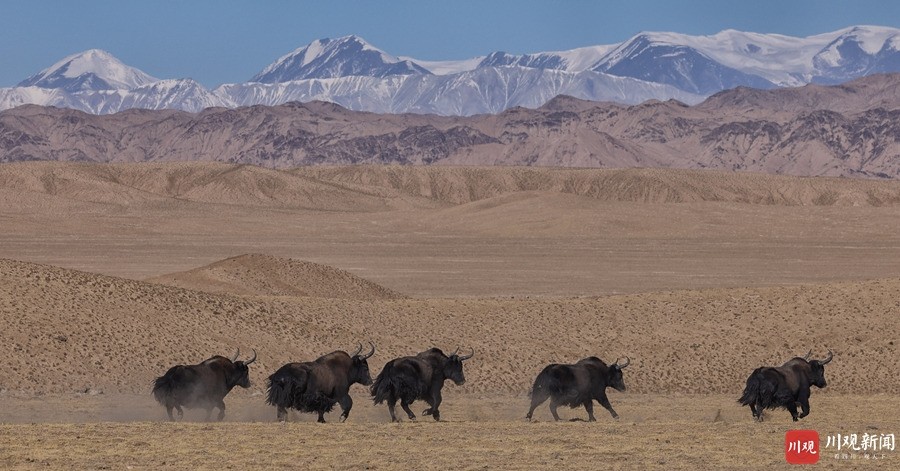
(435, 403)
(589, 407)
(321, 419)
(392, 403)
(169, 412)
(804, 409)
(792, 408)
(803, 400)
(281, 414)
(221, 407)
(346, 403)
(554, 403)
(405, 405)
(757, 412)
(537, 398)
(606, 405)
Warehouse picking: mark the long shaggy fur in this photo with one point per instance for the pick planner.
(391, 385)
(552, 381)
(290, 391)
(764, 391)
(165, 386)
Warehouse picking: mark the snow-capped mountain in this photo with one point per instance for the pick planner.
(89, 70)
(18, 96)
(648, 58)
(857, 52)
(332, 58)
(351, 72)
(97, 82)
(180, 94)
(478, 91)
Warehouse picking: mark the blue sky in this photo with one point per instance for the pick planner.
(229, 41)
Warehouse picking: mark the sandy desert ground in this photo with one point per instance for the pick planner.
(111, 273)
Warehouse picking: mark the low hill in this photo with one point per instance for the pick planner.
(264, 275)
(176, 182)
(458, 185)
(50, 185)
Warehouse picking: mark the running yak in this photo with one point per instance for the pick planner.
(316, 386)
(788, 385)
(202, 386)
(577, 385)
(418, 377)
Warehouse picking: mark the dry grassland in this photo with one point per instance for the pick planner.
(109, 274)
(655, 432)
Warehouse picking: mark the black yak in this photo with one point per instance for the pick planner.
(788, 385)
(202, 386)
(316, 386)
(418, 377)
(577, 385)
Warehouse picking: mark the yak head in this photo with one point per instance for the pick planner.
(614, 376)
(359, 371)
(817, 368)
(453, 368)
(240, 375)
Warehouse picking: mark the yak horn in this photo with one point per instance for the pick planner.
(358, 349)
(236, 354)
(252, 359)
(808, 354)
(466, 357)
(825, 361)
(367, 355)
(623, 365)
(454, 352)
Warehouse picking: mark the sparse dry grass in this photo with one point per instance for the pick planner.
(655, 432)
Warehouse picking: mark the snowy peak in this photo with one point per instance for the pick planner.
(858, 51)
(332, 58)
(658, 58)
(91, 70)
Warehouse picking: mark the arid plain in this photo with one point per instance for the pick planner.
(110, 273)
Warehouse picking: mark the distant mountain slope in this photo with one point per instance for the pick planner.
(379, 188)
(480, 91)
(846, 130)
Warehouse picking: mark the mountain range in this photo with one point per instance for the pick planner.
(851, 130)
(358, 76)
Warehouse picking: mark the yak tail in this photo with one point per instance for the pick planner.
(759, 390)
(285, 389)
(548, 384)
(164, 386)
(385, 385)
(391, 386)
